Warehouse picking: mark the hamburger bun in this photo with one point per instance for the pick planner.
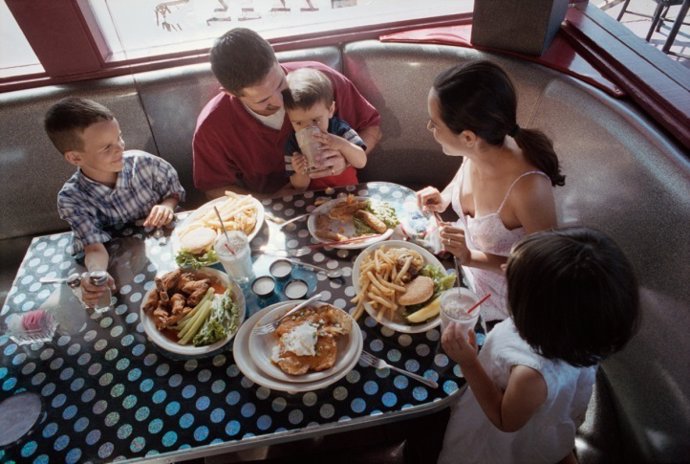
(199, 240)
(418, 290)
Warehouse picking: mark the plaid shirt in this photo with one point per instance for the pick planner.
(90, 207)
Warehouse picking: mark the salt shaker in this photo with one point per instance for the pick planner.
(74, 283)
(100, 279)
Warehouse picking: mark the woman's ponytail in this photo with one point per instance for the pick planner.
(538, 150)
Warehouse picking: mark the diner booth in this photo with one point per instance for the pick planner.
(627, 173)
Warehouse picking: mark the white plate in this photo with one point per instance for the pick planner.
(428, 259)
(190, 350)
(261, 348)
(245, 363)
(175, 237)
(348, 228)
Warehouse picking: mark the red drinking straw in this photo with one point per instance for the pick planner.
(476, 305)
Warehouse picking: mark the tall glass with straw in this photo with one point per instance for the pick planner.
(232, 248)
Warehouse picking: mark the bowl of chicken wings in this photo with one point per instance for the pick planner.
(192, 312)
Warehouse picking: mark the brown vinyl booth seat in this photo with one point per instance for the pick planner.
(624, 176)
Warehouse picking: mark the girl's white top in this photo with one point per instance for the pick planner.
(547, 437)
(487, 234)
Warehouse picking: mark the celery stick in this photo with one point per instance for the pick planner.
(182, 323)
(204, 313)
(198, 310)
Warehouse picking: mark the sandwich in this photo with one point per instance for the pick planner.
(417, 291)
(196, 248)
(422, 297)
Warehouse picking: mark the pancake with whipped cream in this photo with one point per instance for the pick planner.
(307, 340)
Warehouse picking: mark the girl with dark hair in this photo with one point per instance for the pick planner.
(504, 187)
(573, 298)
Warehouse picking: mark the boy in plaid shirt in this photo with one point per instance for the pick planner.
(111, 186)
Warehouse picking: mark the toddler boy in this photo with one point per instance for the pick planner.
(110, 186)
(309, 101)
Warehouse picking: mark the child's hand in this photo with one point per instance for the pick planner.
(90, 294)
(329, 141)
(460, 347)
(299, 163)
(329, 163)
(429, 199)
(453, 240)
(159, 216)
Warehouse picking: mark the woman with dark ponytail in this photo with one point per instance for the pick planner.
(504, 187)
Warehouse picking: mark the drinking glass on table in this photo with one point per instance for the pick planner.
(454, 305)
(308, 145)
(235, 256)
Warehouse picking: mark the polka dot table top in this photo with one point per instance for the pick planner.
(110, 394)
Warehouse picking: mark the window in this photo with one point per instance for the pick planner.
(135, 29)
(16, 56)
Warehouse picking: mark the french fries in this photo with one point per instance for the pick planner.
(237, 211)
(382, 275)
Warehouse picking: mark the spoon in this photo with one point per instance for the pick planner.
(330, 273)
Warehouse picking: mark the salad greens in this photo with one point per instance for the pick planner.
(442, 281)
(223, 320)
(186, 259)
(213, 319)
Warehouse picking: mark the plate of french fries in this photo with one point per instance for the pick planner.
(384, 277)
(192, 240)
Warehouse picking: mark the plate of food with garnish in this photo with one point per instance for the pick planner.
(352, 222)
(193, 238)
(399, 284)
(192, 312)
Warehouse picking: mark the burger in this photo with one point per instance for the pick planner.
(196, 248)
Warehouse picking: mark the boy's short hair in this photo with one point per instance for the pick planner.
(66, 119)
(241, 58)
(573, 294)
(306, 87)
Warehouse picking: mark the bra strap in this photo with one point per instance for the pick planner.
(510, 189)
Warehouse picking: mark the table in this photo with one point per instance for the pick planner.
(108, 393)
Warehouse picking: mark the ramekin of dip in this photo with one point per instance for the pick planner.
(264, 286)
(280, 269)
(296, 289)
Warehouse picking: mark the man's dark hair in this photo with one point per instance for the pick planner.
(241, 58)
(66, 120)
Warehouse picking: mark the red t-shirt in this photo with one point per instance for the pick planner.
(231, 146)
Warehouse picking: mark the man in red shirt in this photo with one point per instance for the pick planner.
(240, 134)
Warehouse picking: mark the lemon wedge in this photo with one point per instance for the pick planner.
(427, 312)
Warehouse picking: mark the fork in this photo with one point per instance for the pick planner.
(377, 363)
(294, 219)
(270, 327)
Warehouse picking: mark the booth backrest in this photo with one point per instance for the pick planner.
(623, 177)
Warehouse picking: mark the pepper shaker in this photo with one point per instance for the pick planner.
(74, 282)
(100, 279)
